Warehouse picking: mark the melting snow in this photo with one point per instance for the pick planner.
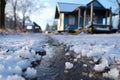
(113, 73)
(16, 54)
(68, 65)
(103, 47)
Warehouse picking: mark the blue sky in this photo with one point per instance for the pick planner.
(46, 15)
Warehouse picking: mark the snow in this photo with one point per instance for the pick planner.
(17, 51)
(101, 67)
(102, 29)
(30, 73)
(103, 47)
(14, 77)
(68, 65)
(78, 56)
(75, 60)
(67, 54)
(113, 73)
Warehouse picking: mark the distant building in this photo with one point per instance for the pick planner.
(33, 27)
(93, 16)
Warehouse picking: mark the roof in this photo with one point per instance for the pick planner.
(67, 7)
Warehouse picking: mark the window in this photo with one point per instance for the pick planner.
(71, 20)
(29, 27)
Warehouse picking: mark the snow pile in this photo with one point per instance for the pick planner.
(78, 56)
(17, 54)
(67, 54)
(103, 48)
(101, 67)
(113, 73)
(68, 65)
(30, 73)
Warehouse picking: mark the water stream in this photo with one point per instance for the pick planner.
(53, 64)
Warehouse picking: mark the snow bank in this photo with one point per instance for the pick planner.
(17, 52)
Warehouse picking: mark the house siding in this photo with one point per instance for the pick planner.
(71, 27)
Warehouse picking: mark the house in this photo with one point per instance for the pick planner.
(33, 28)
(91, 16)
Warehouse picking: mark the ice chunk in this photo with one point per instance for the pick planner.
(100, 67)
(78, 56)
(68, 65)
(30, 73)
(113, 73)
(67, 54)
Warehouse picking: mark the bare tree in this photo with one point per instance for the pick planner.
(2, 14)
(14, 6)
(25, 7)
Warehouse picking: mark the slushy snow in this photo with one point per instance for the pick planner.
(105, 47)
(30, 73)
(17, 51)
(113, 73)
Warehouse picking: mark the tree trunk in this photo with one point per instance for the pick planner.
(23, 22)
(15, 20)
(2, 14)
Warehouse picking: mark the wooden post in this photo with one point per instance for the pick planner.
(106, 15)
(110, 16)
(84, 22)
(79, 18)
(91, 14)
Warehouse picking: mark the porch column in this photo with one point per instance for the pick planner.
(106, 15)
(84, 22)
(91, 14)
(79, 10)
(110, 16)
